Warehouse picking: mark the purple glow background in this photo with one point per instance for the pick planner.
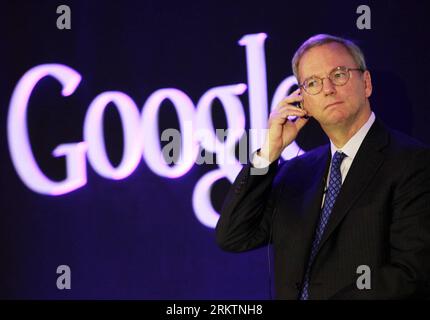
(138, 238)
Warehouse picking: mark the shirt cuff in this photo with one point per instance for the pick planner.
(259, 162)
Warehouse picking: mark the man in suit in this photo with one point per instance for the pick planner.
(348, 220)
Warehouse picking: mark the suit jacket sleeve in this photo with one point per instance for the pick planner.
(408, 273)
(246, 216)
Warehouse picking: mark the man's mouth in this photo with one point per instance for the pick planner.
(333, 104)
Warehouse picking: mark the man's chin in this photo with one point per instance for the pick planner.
(333, 119)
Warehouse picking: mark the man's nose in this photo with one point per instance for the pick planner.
(328, 86)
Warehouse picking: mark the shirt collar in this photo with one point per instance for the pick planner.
(353, 144)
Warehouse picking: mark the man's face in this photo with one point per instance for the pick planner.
(334, 105)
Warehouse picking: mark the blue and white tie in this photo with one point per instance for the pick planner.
(335, 183)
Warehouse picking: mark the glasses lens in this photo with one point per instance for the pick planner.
(313, 85)
(339, 76)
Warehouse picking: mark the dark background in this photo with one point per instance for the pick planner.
(138, 238)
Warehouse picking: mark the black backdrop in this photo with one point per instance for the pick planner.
(138, 238)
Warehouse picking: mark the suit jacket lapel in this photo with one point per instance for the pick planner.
(364, 167)
(316, 171)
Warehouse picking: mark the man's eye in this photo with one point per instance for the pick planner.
(312, 83)
(339, 75)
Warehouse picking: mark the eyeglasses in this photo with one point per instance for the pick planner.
(339, 76)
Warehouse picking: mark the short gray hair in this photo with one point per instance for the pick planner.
(319, 40)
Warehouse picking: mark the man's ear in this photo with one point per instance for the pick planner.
(367, 83)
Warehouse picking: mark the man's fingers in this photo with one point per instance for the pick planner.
(292, 111)
(294, 97)
(291, 108)
(300, 122)
(282, 116)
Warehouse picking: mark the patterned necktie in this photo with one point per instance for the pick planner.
(335, 182)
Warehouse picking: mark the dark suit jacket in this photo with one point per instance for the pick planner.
(381, 219)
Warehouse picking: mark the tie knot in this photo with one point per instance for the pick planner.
(338, 158)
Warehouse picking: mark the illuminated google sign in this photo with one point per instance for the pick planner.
(193, 119)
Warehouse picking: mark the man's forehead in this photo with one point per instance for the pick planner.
(322, 59)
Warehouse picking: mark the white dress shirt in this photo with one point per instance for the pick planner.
(350, 149)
